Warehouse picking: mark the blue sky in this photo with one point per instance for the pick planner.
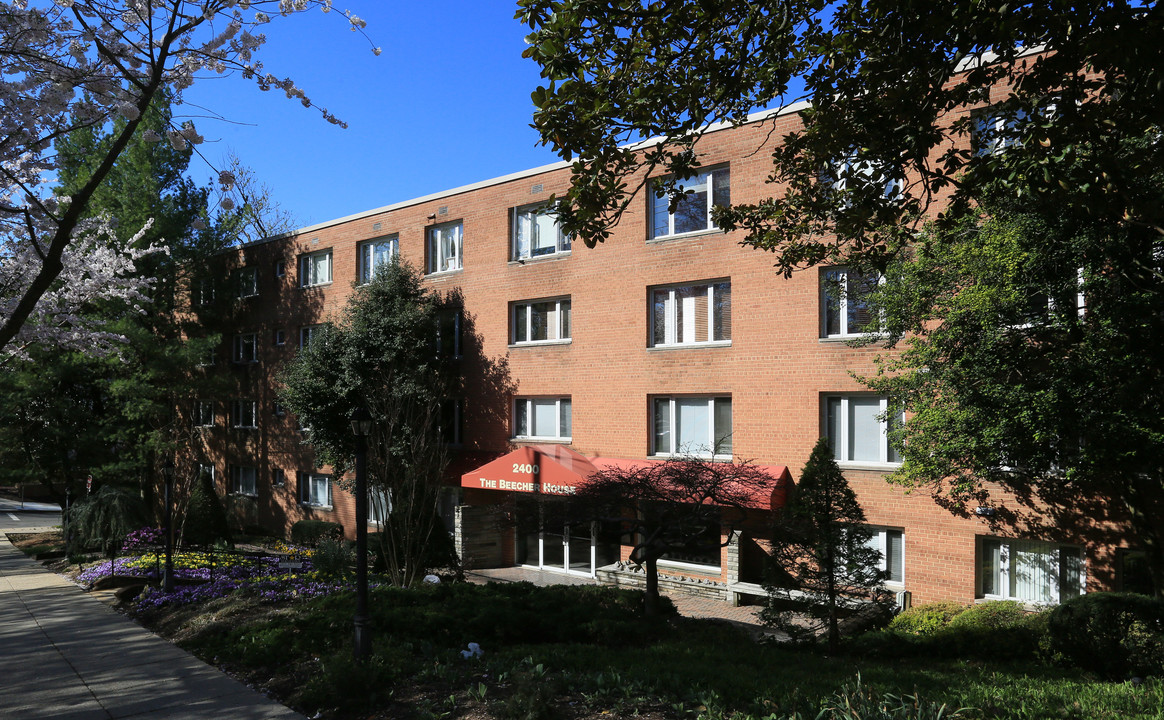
(446, 104)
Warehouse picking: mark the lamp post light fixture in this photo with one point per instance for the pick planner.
(168, 572)
(362, 428)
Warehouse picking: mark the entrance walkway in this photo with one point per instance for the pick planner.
(687, 605)
(67, 656)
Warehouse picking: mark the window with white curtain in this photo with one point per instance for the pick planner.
(543, 418)
(315, 268)
(243, 480)
(376, 254)
(1030, 571)
(697, 426)
(691, 314)
(845, 302)
(315, 489)
(856, 428)
(891, 544)
(536, 233)
(541, 321)
(444, 247)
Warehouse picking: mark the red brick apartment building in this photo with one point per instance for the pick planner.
(668, 338)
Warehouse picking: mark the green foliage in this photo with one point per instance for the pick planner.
(991, 615)
(926, 619)
(821, 560)
(333, 559)
(383, 357)
(310, 532)
(205, 522)
(855, 701)
(1115, 635)
(103, 519)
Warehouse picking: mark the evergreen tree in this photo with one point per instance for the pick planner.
(822, 565)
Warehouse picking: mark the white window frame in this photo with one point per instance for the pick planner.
(437, 260)
(204, 413)
(202, 292)
(521, 318)
(379, 505)
(712, 177)
(280, 337)
(672, 303)
(528, 403)
(834, 280)
(307, 333)
(246, 282)
(242, 411)
(246, 348)
(280, 268)
(1007, 576)
(993, 133)
(842, 446)
(842, 170)
(310, 273)
(880, 542)
(673, 422)
(204, 469)
(311, 486)
(243, 482)
(366, 257)
(278, 478)
(524, 219)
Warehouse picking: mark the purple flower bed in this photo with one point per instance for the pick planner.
(145, 539)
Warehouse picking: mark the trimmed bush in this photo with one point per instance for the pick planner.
(333, 559)
(992, 615)
(927, 619)
(310, 532)
(1114, 635)
(205, 522)
(995, 630)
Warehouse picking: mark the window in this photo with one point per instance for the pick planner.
(379, 505)
(692, 212)
(452, 421)
(315, 489)
(280, 268)
(700, 426)
(242, 480)
(206, 472)
(202, 292)
(206, 357)
(280, 337)
(278, 478)
(204, 413)
(536, 233)
(891, 545)
(691, 314)
(541, 321)
(278, 409)
(374, 255)
(844, 301)
(542, 418)
(856, 429)
(444, 247)
(448, 340)
(315, 269)
(993, 130)
(246, 282)
(857, 173)
(1029, 571)
(246, 348)
(307, 333)
(703, 550)
(243, 414)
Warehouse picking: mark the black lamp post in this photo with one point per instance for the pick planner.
(362, 428)
(168, 573)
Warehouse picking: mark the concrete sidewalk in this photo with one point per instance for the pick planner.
(65, 655)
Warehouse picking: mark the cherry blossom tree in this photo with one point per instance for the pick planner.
(73, 64)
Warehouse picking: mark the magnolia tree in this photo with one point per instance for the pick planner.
(74, 64)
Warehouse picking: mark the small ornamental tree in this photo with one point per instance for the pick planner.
(822, 562)
(205, 522)
(668, 507)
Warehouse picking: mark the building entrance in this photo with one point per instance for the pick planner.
(549, 539)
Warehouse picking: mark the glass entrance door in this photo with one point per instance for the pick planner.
(548, 540)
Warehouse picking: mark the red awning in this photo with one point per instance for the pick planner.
(544, 469)
(558, 470)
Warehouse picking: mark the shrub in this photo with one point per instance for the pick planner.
(992, 615)
(310, 532)
(103, 519)
(858, 702)
(927, 619)
(205, 522)
(995, 630)
(1115, 635)
(333, 558)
